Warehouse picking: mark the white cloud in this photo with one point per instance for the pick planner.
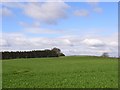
(93, 2)
(48, 12)
(5, 11)
(39, 30)
(25, 24)
(59, 0)
(3, 43)
(19, 0)
(93, 42)
(67, 41)
(95, 5)
(11, 5)
(81, 12)
(98, 9)
(114, 44)
(35, 28)
(69, 45)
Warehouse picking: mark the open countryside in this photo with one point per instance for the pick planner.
(59, 44)
(61, 72)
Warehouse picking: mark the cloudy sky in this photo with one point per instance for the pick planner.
(77, 28)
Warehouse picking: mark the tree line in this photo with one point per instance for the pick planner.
(55, 52)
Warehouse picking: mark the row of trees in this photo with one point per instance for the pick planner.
(55, 52)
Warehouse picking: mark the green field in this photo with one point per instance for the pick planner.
(62, 72)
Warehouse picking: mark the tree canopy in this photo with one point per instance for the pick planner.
(55, 52)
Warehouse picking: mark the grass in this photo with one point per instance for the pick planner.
(62, 72)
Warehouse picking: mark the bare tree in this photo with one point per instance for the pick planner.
(105, 54)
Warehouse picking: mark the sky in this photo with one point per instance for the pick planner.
(77, 28)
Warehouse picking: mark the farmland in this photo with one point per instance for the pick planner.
(61, 72)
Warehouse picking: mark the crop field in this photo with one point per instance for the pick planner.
(62, 72)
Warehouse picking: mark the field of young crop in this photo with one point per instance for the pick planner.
(62, 72)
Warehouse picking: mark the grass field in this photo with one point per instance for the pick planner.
(62, 72)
